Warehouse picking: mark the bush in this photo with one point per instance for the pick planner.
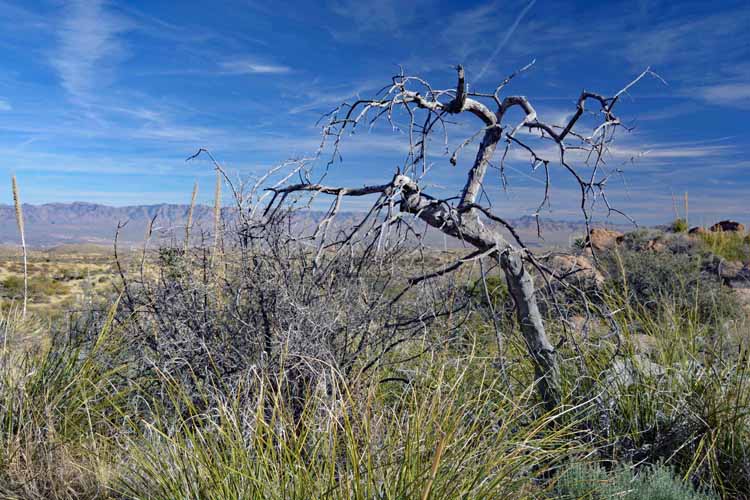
(41, 289)
(656, 279)
(13, 286)
(655, 483)
(496, 290)
(684, 399)
(679, 226)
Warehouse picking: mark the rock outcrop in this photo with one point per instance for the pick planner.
(732, 273)
(575, 267)
(728, 226)
(655, 245)
(603, 239)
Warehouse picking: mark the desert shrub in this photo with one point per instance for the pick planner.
(679, 226)
(584, 481)
(652, 279)
(13, 286)
(492, 288)
(40, 288)
(685, 401)
(271, 300)
(72, 273)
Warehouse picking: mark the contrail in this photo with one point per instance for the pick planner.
(505, 39)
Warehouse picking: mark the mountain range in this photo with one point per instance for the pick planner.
(54, 224)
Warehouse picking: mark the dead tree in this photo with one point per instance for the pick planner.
(426, 112)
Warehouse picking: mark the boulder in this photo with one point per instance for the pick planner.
(741, 279)
(698, 230)
(583, 329)
(732, 273)
(604, 239)
(655, 245)
(743, 297)
(576, 267)
(625, 372)
(728, 226)
(644, 344)
(730, 269)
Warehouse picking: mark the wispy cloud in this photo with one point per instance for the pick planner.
(504, 40)
(664, 152)
(250, 66)
(5, 105)
(391, 16)
(88, 47)
(727, 94)
(689, 41)
(314, 99)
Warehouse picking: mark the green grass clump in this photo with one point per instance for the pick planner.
(686, 400)
(56, 409)
(72, 425)
(459, 439)
(729, 245)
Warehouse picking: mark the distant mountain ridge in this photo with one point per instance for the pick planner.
(53, 224)
(80, 222)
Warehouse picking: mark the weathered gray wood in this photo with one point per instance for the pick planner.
(468, 227)
(463, 220)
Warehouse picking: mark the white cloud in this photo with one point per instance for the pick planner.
(88, 47)
(727, 93)
(666, 152)
(391, 16)
(5, 105)
(252, 67)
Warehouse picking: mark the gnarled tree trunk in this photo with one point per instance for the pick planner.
(463, 220)
(468, 227)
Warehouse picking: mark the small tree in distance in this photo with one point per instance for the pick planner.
(426, 112)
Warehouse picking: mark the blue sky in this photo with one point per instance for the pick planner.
(103, 101)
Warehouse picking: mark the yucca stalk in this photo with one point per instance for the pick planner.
(19, 222)
(189, 223)
(217, 213)
(217, 250)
